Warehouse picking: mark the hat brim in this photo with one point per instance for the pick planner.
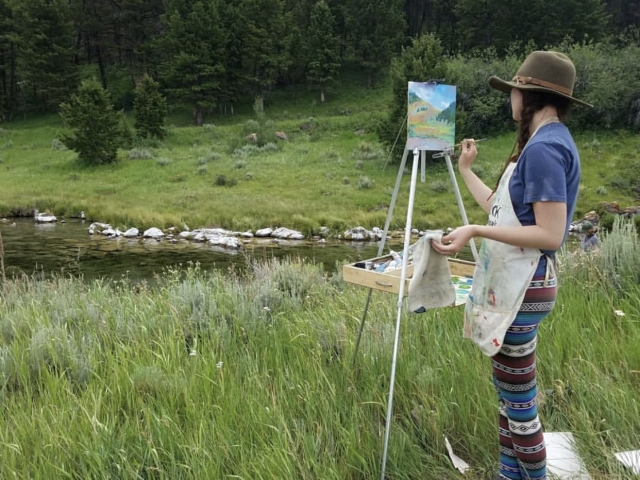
(506, 87)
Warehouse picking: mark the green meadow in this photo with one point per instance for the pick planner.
(331, 171)
(254, 375)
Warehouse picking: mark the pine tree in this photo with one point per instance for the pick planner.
(45, 51)
(149, 109)
(266, 41)
(322, 48)
(97, 132)
(376, 29)
(547, 22)
(193, 69)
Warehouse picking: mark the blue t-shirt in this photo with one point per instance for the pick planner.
(547, 171)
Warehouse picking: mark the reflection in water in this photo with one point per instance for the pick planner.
(67, 247)
(47, 248)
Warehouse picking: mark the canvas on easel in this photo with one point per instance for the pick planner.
(431, 116)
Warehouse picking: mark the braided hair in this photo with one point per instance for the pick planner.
(531, 103)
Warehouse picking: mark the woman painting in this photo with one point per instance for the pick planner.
(514, 284)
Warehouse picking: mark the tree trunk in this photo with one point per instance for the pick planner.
(101, 67)
(322, 95)
(197, 116)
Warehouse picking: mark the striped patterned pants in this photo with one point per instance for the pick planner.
(522, 450)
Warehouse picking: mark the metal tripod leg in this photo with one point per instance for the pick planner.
(387, 223)
(463, 213)
(403, 276)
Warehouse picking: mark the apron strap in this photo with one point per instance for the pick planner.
(550, 271)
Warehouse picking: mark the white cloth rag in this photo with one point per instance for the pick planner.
(431, 285)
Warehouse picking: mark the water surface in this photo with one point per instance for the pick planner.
(31, 247)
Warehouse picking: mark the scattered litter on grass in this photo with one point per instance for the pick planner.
(563, 460)
(630, 459)
(460, 464)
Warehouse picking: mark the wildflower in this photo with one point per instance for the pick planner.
(219, 365)
(619, 313)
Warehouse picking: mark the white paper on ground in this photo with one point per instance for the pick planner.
(460, 464)
(630, 459)
(563, 460)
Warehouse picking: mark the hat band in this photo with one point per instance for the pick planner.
(553, 86)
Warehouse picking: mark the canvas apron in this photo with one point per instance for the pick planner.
(501, 278)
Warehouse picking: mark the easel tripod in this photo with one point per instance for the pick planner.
(417, 154)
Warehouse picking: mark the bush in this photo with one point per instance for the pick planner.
(367, 151)
(246, 151)
(139, 154)
(262, 128)
(619, 255)
(209, 158)
(149, 109)
(480, 109)
(96, 126)
(421, 61)
(364, 182)
(439, 186)
(269, 147)
(223, 181)
(626, 178)
(56, 144)
(607, 77)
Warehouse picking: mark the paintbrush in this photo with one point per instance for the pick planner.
(475, 141)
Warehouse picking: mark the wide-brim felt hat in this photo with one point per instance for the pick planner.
(543, 71)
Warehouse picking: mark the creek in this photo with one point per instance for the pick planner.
(48, 248)
(54, 248)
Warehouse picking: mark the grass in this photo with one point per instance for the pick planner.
(98, 380)
(328, 174)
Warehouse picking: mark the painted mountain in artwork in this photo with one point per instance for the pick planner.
(431, 116)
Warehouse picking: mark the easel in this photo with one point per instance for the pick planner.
(417, 154)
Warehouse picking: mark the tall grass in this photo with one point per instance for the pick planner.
(222, 375)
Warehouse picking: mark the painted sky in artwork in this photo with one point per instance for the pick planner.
(431, 116)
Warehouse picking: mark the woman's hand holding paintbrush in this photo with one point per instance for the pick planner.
(468, 152)
(469, 140)
(481, 193)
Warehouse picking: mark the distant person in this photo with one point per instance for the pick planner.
(590, 241)
(514, 284)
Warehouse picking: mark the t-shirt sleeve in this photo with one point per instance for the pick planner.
(544, 175)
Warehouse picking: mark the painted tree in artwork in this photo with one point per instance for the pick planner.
(323, 48)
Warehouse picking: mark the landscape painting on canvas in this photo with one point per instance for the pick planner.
(431, 121)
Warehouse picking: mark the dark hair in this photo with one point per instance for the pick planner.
(531, 103)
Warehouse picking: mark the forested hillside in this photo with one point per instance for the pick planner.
(212, 55)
